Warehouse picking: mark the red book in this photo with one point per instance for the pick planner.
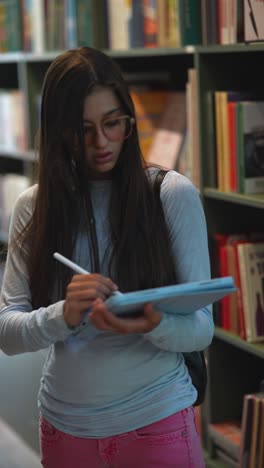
(235, 243)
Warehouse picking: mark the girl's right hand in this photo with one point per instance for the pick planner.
(81, 293)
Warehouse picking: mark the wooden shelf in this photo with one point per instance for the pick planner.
(231, 48)
(137, 52)
(253, 348)
(255, 201)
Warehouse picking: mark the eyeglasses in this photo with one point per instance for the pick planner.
(114, 129)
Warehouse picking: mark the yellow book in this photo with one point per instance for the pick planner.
(225, 139)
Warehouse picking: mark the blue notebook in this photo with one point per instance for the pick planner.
(176, 299)
(180, 298)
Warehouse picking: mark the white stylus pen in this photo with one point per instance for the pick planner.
(74, 266)
(70, 264)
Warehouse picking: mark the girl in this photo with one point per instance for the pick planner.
(115, 393)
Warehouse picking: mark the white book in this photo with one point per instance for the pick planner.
(119, 17)
(37, 24)
(252, 145)
(254, 20)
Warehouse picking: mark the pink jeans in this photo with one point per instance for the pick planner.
(170, 443)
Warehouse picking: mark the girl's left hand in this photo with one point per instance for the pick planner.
(103, 319)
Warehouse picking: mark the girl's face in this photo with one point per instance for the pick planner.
(102, 131)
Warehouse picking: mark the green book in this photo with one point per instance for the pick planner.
(91, 29)
(13, 26)
(190, 22)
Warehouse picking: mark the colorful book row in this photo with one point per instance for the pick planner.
(242, 257)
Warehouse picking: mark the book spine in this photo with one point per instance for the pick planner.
(190, 22)
(245, 290)
(240, 303)
(225, 138)
(174, 33)
(210, 139)
(37, 25)
(100, 22)
(240, 147)
(137, 24)
(219, 141)
(150, 23)
(118, 29)
(70, 24)
(84, 23)
(232, 146)
(14, 26)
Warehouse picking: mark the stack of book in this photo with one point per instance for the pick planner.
(39, 25)
(237, 140)
(242, 257)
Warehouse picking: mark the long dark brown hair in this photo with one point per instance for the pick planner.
(141, 255)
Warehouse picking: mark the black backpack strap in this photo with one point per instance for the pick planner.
(158, 181)
(195, 361)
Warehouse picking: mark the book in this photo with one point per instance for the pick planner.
(71, 39)
(190, 22)
(252, 440)
(251, 261)
(119, 14)
(181, 299)
(210, 141)
(91, 26)
(209, 19)
(163, 20)
(253, 20)
(223, 21)
(232, 149)
(169, 136)
(226, 136)
(13, 25)
(150, 23)
(219, 141)
(137, 24)
(173, 31)
(261, 435)
(150, 101)
(251, 146)
(255, 431)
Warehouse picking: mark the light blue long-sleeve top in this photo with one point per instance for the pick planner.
(103, 383)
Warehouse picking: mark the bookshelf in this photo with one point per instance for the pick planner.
(235, 367)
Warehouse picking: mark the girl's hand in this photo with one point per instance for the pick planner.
(81, 293)
(102, 319)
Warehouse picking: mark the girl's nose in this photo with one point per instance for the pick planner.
(100, 140)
